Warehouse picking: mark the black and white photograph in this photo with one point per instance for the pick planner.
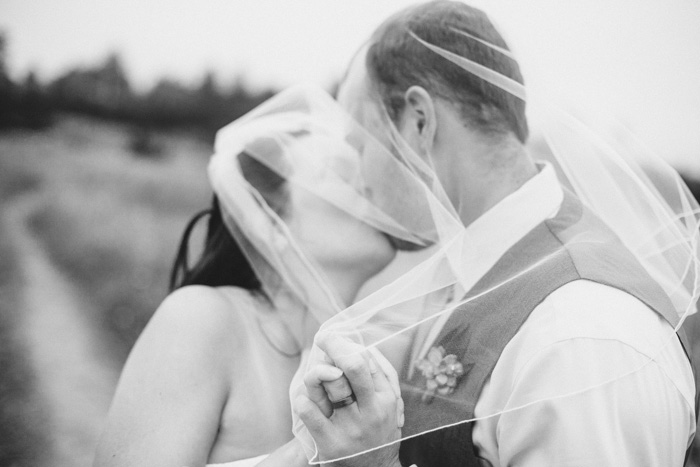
(389, 233)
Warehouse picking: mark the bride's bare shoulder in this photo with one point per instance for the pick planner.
(202, 299)
(187, 352)
(199, 316)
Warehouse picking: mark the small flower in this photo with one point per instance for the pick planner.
(441, 373)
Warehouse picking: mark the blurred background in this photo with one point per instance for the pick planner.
(108, 112)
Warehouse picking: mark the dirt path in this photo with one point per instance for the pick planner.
(74, 378)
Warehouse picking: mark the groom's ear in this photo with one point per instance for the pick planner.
(419, 117)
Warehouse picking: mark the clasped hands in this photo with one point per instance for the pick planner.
(374, 419)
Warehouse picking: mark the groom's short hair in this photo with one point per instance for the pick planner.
(397, 61)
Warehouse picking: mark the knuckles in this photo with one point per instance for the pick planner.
(303, 409)
(353, 365)
(311, 379)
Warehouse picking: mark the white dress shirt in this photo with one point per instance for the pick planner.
(572, 341)
(491, 235)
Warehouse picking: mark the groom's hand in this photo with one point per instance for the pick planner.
(375, 419)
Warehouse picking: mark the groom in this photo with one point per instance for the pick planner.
(545, 329)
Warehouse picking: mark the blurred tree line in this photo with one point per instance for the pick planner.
(104, 91)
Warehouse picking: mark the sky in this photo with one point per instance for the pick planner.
(637, 61)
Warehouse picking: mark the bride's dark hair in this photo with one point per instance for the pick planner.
(222, 261)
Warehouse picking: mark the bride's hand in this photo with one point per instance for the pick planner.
(374, 419)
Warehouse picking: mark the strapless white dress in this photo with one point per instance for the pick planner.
(253, 461)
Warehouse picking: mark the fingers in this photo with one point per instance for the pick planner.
(399, 412)
(338, 389)
(381, 384)
(314, 420)
(353, 360)
(314, 380)
(387, 380)
(388, 372)
(357, 372)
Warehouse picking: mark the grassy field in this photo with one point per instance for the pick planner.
(21, 411)
(111, 220)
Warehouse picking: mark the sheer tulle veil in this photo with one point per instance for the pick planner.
(639, 203)
(352, 157)
(300, 146)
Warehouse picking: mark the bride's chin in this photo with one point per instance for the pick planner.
(383, 255)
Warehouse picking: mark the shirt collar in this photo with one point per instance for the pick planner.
(498, 229)
(490, 236)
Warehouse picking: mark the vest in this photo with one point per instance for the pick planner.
(478, 331)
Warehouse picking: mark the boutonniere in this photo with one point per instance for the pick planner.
(441, 372)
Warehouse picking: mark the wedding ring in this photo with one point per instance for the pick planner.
(344, 402)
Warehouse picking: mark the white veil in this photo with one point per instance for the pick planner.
(298, 153)
(626, 199)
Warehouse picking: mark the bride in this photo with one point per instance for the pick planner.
(295, 230)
